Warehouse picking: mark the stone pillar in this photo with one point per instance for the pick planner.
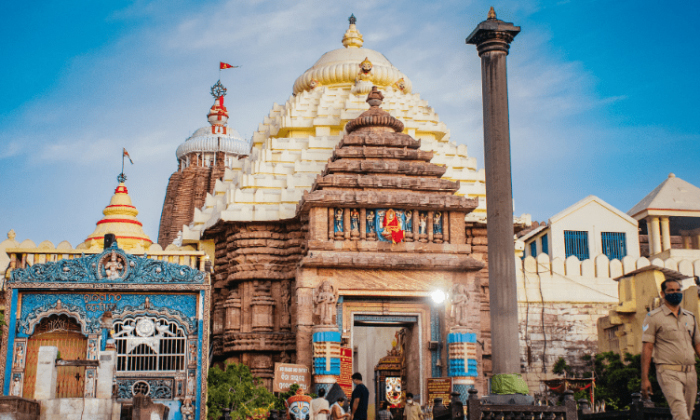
(665, 234)
(462, 364)
(105, 374)
(654, 235)
(233, 313)
(492, 38)
(46, 375)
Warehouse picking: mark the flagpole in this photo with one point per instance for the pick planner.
(122, 161)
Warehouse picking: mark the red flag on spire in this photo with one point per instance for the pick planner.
(126, 154)
(223, 66)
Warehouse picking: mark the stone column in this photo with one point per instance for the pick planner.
(326, 361)
(105, 374)
(654, 235)
(492, 38)
(46, 375)
(665, 234)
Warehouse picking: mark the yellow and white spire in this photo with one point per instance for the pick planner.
(120, 219)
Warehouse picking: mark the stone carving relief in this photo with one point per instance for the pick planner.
(233, 312)
(437, 227)
(423, 226)
(16, 385)
(19, 356)
(371, 229)
(263, 305)
(325, 298)
(113, 265)
(409, 226)
(354, 224)
(187, 409)
(338, 227)
(459, 297)
(285, 313)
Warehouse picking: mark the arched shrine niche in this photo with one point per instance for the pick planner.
(65, 333)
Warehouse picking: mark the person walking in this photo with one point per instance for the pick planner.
(319, 406)
(412, 410)
(359, 399)
(671, 334)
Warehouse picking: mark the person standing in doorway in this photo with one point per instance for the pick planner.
(671, 334)
(319, 406)
(412, 411)
(359, 399)
(384, 413)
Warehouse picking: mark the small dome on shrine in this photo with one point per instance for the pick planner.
(218, 136)
(120, 219)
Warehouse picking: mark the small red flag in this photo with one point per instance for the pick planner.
(127, 155)
(223, 66)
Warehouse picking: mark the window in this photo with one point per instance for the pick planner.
(576, 243)
(545, 244)
(614, 245)
(149, 344)
(533, 248)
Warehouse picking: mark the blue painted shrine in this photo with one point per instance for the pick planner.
(152, 312)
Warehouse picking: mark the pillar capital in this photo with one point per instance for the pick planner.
(493, 35)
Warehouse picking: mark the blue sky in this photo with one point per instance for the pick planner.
(603, 95)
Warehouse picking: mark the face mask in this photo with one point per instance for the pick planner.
(409, 401)
(673, 298)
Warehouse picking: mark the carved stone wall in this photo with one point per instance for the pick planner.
(187, 190)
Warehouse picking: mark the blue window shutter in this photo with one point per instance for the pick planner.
(545, 244)
(614, 245)
(576, 243)
(533, 248)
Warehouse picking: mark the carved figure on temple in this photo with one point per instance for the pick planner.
(19, 355)
(325, 301)
(114, 267)
(89, 383)
(354, 221)
(193, 352)
(460, 302)
(92, 350)
(409, 220)
(338, 226)
(437, 222)
(422, 223)
(187, 409)
(400, 84)
(365, 70)
(285, 297)
(190, 383)
(370, 227)
(391, 227)
(16, 385)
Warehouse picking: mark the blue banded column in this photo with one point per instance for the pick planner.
(462, 362)
(326, 359)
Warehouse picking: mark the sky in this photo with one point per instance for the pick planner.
(602, 95)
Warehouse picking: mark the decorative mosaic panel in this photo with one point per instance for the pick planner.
(156, 388)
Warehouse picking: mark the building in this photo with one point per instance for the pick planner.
(202, 160)
(669, 220)
(131, 314)
(586, 229)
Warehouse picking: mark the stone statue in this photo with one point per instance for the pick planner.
(89, 384)
(338, 226)
(354, 220)
(409, 220)
(391, 226)
(19, 356)
(460, 302)
(325, 301)
(190, 383)
(187, 409)
(365, 71)
(92, 350)
(423, 223)
(437, 222)
(16, 385)
(285, 313)
(370, 222)
(114, 267)
(193, 353)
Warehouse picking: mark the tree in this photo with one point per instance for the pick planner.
(236, 388)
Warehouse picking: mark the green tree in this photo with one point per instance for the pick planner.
(237, 388)
(617, 379)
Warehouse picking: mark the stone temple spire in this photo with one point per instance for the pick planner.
(352, 37)
(218, 114)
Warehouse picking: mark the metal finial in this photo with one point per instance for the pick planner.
(218, 90)
(492, 13)
(352, 19)
(121, 177)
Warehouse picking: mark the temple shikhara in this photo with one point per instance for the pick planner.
(348, 234)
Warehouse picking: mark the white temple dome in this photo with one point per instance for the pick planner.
(204, 141)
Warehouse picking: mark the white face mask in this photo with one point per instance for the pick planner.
(410, 401)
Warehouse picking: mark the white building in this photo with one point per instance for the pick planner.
(588, 228)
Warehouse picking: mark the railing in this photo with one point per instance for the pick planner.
(477, 410)
(637, 411)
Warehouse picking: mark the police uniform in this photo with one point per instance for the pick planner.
(674, 339)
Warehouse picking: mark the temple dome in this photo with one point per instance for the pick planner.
(204, 141)
(120, 219)
(344, 68)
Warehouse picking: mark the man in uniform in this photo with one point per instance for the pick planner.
(671, 333)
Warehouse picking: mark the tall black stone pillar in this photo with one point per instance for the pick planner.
(492, 38)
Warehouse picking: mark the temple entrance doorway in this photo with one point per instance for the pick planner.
(65, 333)
(386, 351)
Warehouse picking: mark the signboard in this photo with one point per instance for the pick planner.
(439, 388)
(287, 374)
(345, 380)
